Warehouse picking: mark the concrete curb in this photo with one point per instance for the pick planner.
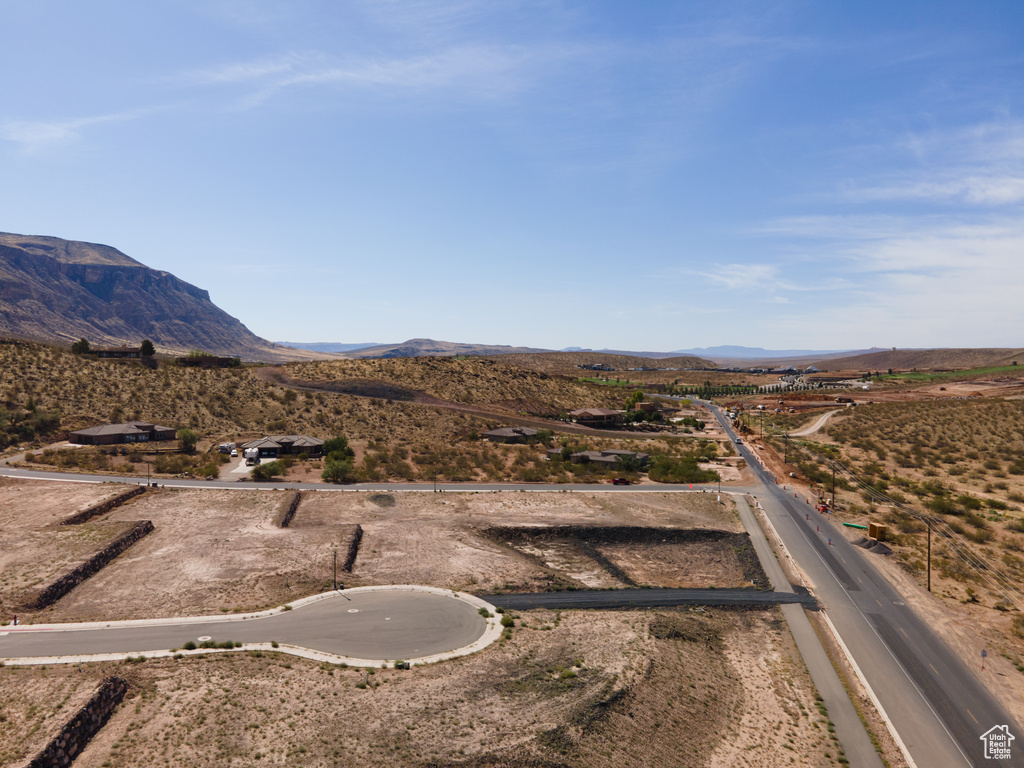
(491, 633)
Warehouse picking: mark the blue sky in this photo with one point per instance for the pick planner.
(655, 175)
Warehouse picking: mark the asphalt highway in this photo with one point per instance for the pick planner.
(938, 706)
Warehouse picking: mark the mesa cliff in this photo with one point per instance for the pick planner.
(58, 290)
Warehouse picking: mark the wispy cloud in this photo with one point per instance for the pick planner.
(37, 135)
(972, 189)
(932, 281)
(742, 277)
(477, 70)
(980, 165)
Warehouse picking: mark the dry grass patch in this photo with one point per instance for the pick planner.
(34, 548)
(217, 551)
(36, 703)
(582, 688)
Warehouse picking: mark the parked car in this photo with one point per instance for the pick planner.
(234, 453)
(620, 481)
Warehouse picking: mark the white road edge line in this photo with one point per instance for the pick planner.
(871, 693)
(846, 651)
(491, 633)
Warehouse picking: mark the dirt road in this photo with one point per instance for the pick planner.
(817, 424)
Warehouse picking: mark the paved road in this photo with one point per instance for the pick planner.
(362, 625)
(74, 477)
(939, 707)
(644, 598)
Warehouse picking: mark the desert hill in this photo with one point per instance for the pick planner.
(58, 290)
(925, 359)
(432, 348)
(567, 363)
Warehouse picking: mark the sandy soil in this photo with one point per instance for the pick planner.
(35, 704)
(694, 564)
(581, 688)
(34, 549)
(210, 551)
(222, 550)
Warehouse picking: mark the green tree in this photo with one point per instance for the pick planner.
(627, 463)
(338, 471)
(337, 449)
(80, 347)
(188, 439)
(147, 348)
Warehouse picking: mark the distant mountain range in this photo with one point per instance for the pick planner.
(412, 348)
(757, 353)
(328, 347)
(433, 348)
(56, 290)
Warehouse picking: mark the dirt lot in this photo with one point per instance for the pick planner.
(663, 688)
(34, 550)
(222, 551)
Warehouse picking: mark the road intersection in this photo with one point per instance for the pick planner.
(936, 708)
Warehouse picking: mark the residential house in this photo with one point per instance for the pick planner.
(129, 432)
(510, 434)
(609, 457)
(274, 446)
(596, 417)
(118, 353)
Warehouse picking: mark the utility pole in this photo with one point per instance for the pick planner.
(833, 487)
(335, 569)
(786, 459)
(929, 555)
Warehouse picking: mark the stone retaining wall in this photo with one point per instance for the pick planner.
(74, 736)
(286, 510)
(104, 506)
(69, 581)
(353, 549)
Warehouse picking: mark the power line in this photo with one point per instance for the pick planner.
(996, 579)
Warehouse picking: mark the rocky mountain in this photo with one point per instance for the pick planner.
(58, 290)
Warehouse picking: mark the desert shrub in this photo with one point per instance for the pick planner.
(268, 470)
(209, 471)
(969, 502)
(980, 536)
(665, 469)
